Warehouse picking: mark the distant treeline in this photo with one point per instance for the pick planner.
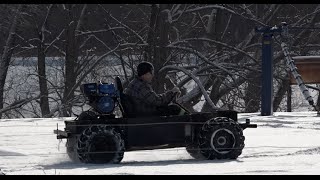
(94, 19)
(58, 61)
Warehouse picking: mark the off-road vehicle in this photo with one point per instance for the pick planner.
(99, 136)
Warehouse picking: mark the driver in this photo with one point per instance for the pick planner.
(146, 101)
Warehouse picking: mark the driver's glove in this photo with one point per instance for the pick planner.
(176, 90)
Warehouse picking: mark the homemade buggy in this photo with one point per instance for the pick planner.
(98, 136)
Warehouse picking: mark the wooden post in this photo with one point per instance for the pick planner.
(289, 93)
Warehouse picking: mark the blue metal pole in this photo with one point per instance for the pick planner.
(267, 75)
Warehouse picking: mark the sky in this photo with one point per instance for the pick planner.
(284, 143)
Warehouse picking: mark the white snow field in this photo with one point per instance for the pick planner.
(285, 143)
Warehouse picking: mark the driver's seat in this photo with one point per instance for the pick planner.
(126, 102)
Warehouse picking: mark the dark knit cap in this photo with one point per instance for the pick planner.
(144, 67)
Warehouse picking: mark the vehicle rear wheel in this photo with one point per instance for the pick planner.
(100, 144)
(221, 138)
(71, 147)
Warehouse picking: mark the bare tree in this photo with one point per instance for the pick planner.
(7, 52)
(73, 25)
(37, 17)
(210, 51)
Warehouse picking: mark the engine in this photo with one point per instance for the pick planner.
(102, 96)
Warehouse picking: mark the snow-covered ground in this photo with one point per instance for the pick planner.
(285, 143)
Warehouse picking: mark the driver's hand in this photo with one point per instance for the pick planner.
(176, 90)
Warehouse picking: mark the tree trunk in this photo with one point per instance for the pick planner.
(70, 63)
(252, 95)
(213, 31)
(41, 47)
(280, 94)
(44, 102)
(151, 33)
(6, 55)
(289, 94)
(158, 39)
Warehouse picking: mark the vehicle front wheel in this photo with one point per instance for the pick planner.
(221, 138)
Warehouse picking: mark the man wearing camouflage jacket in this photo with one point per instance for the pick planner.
(146, 101)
